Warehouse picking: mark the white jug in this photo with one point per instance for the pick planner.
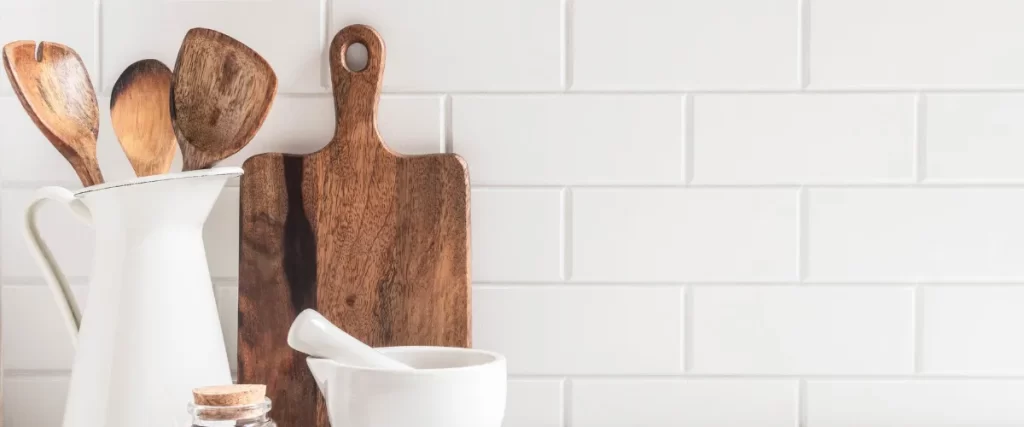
(151, 331)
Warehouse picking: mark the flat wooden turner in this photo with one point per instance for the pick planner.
(375, 241)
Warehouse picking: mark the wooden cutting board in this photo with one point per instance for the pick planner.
(376, 241)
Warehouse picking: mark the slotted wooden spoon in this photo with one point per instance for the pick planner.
(54, 87)
(221, 93)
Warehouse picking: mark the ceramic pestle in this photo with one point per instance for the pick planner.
(311, 333)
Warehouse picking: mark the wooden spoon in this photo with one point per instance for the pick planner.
(54, 87)
(140, 109)
(221, 93)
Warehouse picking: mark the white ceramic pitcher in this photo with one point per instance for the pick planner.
(151, 331)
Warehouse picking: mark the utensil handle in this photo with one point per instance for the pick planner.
(58, 284)
(356, 92)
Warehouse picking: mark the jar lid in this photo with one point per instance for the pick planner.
(229, 395)
(230, 402)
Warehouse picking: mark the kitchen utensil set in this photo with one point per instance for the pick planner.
(376, 241)
(212, 104)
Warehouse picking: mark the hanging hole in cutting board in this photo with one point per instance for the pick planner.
(355, 57)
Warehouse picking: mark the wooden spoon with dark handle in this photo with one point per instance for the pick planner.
(54, 87)
(140, 110)
(221, 93)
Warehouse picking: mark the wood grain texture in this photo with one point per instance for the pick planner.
(55, 89)
(375, 241)
(221, 92)
(140, 110)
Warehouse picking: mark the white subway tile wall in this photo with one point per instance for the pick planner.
(733, 213)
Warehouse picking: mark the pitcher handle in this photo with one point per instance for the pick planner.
(55, 280)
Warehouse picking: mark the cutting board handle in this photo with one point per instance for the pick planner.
(356, 92)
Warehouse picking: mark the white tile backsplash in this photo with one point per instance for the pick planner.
(671, 235)
(463, 45)
(905, 44)
(803, 139)
(680, 45)
(517, 235)
(934, 234)
(914, 403)
(573, 330)
(684, 402)
(802, 330)
(730, 213)
(544, 140)
(972, 330)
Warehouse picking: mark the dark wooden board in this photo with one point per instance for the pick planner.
(376, 241)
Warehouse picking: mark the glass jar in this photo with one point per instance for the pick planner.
(254, 415)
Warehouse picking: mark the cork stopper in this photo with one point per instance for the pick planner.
(230, 402)
(230, 395)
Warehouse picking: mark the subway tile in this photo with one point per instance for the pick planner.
(803, 139)
(34, 401)
(517, 235)
(662, 45)
(579, 139)
(566, 330)
(68, 22)
(463, 45)
(35, 336)
(69, 239)
(915, 44)
(921, 234)
(974, 137)
(534, 403)
(803, 330)
(667, 235)
(914, 403)
(302, 125)
(684, 402)
(972, 330)
(26, 155)
(220, 235)
(292, 44)
(227, 306)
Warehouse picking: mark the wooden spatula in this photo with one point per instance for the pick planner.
(54, 87)
(375, 241)
(222, 92)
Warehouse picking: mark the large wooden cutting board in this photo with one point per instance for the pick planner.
(376, 241)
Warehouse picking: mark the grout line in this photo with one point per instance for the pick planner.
(326, 11)
(687, 319)
(688, 140)
(567, 402)
(98, 44)
(446, 125)
(920, 137)
(224, 281)
(801, 409)
(325, 92)
(916, 320)
(10, 184)
(803, 238)
(36, 373)
(567, 234)
(798, 377)
(567, 44)
(804, 36)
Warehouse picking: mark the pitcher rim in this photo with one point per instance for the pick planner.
(218, 171)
